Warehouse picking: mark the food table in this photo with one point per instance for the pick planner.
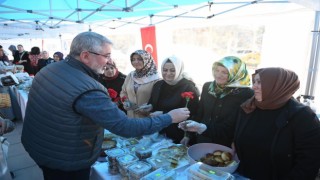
(121, 159)
(18, 94)
(22, 99)
(160, 159)
(21, 90)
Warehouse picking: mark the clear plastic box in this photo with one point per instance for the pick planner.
(143, 152)
(139, 169)
(124, 161)
(112, 155)
(157, 162)
(205, 172)
(161, 174)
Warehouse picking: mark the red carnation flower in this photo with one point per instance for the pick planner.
(187, 96)
(112, 93)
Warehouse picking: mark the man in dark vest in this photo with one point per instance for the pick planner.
(68, 110)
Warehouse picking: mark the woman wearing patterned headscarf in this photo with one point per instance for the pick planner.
(276, 137)
(220, 102)
(166, 95)
(138, 84)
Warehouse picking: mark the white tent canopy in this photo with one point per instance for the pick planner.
(50, 19)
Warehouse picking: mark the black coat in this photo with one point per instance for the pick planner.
(279, 144)
(22, 56)
(165, 97)
(220, 115)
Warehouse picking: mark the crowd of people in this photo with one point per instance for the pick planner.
(32, 61)
(274, 136)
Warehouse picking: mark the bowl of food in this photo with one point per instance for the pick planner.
(215, 155)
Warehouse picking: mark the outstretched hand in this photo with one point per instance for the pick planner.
(192, 126)
(179, 114)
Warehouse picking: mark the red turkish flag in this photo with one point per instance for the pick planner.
(148, 36)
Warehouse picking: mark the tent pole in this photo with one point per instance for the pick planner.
(314, 57)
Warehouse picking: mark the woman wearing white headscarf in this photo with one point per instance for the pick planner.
(166, 94)
(138, 84)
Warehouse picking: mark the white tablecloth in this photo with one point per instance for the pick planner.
(22, 98)
(99, 171)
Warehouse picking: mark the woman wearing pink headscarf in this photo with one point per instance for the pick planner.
(114, 79)
(277, 137)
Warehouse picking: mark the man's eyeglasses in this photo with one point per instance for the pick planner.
(108, 56)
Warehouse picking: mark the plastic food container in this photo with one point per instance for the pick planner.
(124, 161)
(106, 145)
(131, 142)
(206, 172)
(161, 174)
(157, 162)
(143, 152)
(138, 169)
(112, 155)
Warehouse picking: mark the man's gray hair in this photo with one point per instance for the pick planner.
(87, 41)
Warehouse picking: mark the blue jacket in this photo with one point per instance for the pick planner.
(66, 112)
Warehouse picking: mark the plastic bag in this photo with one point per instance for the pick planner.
(4, 145)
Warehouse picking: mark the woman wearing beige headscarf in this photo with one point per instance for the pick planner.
(277, 137)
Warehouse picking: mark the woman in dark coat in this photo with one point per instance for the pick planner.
(34, 56)
(220, 102)
(166, 95)
(114, 79)
(276, 136)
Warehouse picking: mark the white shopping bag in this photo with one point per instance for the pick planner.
(4, 145)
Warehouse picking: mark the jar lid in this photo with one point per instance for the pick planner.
(139, 167)
(115, 152)
(127, 159)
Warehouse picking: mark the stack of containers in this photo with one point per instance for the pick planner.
(124, 161)
(112, 155)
